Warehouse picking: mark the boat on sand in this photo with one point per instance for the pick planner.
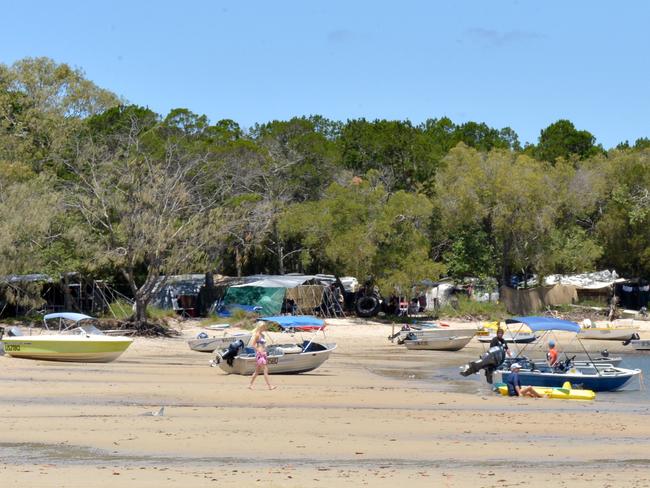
(76, 340)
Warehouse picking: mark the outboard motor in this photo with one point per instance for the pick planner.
(490, 361)
(232, 352)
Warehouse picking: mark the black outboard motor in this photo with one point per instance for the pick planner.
(232, 352)
(490, 361)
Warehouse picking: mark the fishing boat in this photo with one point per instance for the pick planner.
(76, 340)
(281, 358)
(439, 339)
(591, 376)
(205, 343)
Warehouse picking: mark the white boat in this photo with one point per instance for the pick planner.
(431, 332)
(609, 333)
(78, 342)
(283, 358)
(517, 337)
(211, 344)
(451, 343)
(641, 344)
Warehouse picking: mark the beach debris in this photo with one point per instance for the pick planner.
(159, 413)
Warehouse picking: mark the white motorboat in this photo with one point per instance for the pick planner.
(609, 333)
(409, 332)
(79, 342)
(641, 344)
(450, 343)
(517, 337)
(283, 358)
(204, 343)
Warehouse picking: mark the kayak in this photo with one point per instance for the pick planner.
(564, 393)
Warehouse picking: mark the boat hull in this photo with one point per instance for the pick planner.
(520, 338)
(607, 334)
(279, 362)
(593, 382)
(641, 345)
(77, 348)
(438, 344)
(211, 344)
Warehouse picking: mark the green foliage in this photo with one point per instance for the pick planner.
(156, 313)
(119, 309)
(466, 308)
(562, 140)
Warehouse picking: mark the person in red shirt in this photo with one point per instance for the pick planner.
(552, 354)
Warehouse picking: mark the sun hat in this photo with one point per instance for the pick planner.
(515, 366)
(551, 343)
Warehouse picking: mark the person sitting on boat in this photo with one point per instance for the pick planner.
(499, 341)
(552, 354)
(514, 384)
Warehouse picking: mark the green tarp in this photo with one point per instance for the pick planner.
(270, 299)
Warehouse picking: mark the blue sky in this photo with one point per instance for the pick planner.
(523, 64)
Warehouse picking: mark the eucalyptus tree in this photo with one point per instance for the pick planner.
(142, 204)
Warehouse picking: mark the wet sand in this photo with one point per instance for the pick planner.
(373, 415)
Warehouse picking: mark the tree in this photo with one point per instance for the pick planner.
(141, 212)
(358, 228)
(562, 140)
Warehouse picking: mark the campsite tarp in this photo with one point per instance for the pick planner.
(524, 301)
(269, 298)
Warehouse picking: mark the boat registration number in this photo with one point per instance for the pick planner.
(12, 347)
(273, 361)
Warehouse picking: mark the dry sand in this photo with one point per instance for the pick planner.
(365, 418)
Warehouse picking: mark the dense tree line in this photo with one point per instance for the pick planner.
(91, 183)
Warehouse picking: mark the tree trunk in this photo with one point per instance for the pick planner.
(67, 296)
(238, 262)
(279, 250)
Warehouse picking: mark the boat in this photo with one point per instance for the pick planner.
(450, 343)
(609, 333)
(596, 377)
(76, 340)
(281, 359)
(438, 339)
(415, 329)
(517, 337)
(640, 344)
(204, 343)
(565, 392)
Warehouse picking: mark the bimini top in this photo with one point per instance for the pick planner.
(304, 322)
(537, 324)
(75, 317)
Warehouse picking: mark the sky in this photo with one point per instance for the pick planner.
(519, 64)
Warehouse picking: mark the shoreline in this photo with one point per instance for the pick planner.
(341, 424)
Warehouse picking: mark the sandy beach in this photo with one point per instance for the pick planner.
(368, 417)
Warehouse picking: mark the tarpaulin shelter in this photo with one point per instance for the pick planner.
(272, 292)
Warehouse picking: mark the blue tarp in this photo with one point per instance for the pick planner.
(75, 317)
(537, 324)
(288, 321)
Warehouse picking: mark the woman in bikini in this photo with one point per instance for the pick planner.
(261, 357)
